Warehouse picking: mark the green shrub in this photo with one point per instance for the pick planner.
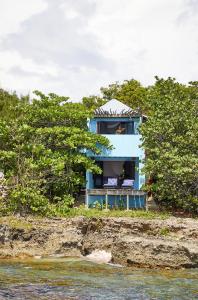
(164, 231)
(62, 207)
(25, 200)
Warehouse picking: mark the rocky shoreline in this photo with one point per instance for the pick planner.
(170, 243)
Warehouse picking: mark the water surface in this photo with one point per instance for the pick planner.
(50, 279)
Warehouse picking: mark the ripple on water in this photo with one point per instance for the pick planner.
(53, 279)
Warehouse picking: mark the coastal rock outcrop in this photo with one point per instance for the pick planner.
(130, 241)
(150, 252)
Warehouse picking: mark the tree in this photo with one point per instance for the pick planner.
(43, 156)
(93, 102)
(170, 139)
(130, 92)
(10, 104)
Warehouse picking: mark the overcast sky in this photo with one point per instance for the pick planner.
(73, 47)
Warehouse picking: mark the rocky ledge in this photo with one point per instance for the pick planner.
(170, 243)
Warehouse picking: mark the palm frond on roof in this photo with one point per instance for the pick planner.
(115, 108)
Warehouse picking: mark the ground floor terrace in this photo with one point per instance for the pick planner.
(116, 198)
(119, 184)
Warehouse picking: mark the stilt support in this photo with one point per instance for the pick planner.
(87, 201)
(106, 201)
(127, 202)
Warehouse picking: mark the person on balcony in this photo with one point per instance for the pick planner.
(120, 129)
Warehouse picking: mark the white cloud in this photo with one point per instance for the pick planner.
(70, 12)
(13, 13)
(11, 59)
(144, 39)
(74, 47)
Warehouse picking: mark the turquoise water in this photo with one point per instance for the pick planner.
(50, 279)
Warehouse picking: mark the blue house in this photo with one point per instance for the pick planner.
(121, 179)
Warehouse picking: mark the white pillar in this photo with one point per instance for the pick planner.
(86, 200)
(141, 175)
(127, 201)
(106, 201)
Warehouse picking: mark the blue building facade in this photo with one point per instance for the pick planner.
(121, 179)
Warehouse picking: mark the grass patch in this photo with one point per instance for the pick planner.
(15, 222)
(164, 231)
(20, 223)
(92, 212)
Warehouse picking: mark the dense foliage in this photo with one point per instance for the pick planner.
(42, 154)
(11, 104)
(129, 92)
(170, 139)
(42, 145)
(93, 102)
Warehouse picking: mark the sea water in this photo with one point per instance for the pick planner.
(50, 279)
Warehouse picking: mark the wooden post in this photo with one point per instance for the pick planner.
(127, 201)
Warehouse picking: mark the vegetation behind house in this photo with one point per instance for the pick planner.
(43, 142)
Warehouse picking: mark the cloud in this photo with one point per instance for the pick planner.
(48, 36)
(193, 4)
(145, 39)
(189, 14)
(13, 13)
(74, 47)
(57, 37)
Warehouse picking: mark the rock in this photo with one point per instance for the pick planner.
(171, 243)
(154, 253)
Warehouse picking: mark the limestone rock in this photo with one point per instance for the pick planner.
(132, 241)
(154, 253)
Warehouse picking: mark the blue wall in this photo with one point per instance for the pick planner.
(125, 147)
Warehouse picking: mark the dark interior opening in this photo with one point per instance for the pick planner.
(113, 127)
(111, 169)
(98, 178)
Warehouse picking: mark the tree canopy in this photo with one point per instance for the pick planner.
(10, 104)
(42, 154)
(130, 92)
(170, 139)
(43, 145)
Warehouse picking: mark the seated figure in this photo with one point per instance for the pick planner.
(120, 130)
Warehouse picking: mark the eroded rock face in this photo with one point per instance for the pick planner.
(155, 253)
(140, 242)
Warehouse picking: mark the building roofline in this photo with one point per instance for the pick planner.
(113, 114)
(118, 109)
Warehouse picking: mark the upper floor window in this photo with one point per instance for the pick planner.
(113, 127)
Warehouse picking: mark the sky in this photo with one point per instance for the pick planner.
(73, 47)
